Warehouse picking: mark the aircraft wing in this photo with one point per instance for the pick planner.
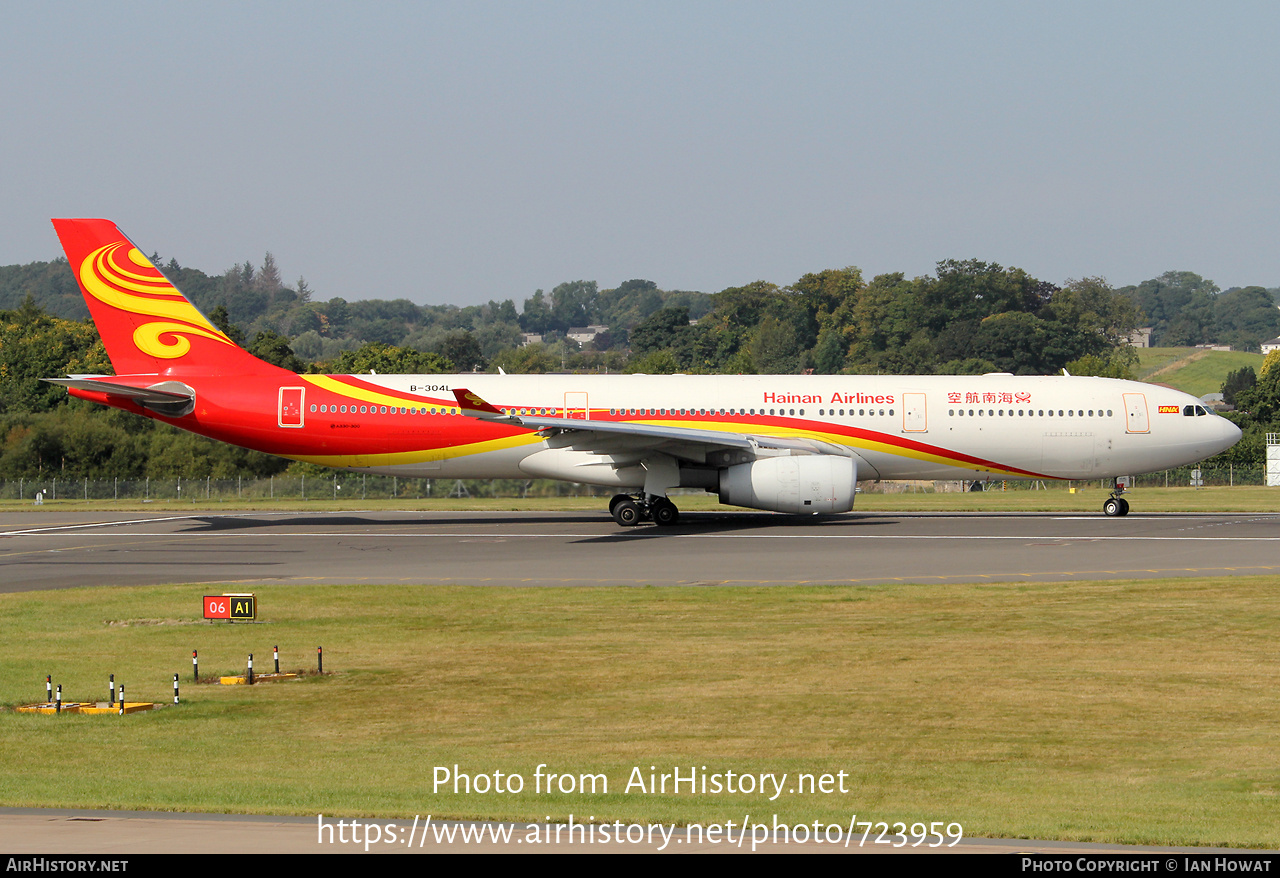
(614, 437)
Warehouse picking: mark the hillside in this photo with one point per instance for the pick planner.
(1192, 370)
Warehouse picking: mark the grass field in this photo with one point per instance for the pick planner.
(1144, 712)
(1192, 370)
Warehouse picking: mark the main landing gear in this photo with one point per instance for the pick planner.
(629, 510)
(1116, 504)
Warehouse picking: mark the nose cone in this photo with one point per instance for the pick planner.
(1227, 434)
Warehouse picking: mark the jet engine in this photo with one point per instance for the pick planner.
(812, 483)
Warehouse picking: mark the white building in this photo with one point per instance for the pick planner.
(1139, 338)
(585, 335)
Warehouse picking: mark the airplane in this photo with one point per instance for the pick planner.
(785, 443)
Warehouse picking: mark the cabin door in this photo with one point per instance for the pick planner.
(575, 406)
(914, 417)
(1135, 413)
(291, 402)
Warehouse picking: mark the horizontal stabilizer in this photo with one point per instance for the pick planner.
(166, 393)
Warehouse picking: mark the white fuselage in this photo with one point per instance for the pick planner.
(899, 427)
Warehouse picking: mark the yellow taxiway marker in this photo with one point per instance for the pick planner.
(257, 678)
(93, 708)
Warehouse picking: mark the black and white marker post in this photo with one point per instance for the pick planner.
(319, 660)
(249, 678)
(48, 689)
(57, 708)
(276, 650)
(195, 667)
(111, 691)
(175, 688)
(121, 700)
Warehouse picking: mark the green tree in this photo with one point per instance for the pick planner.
(662, 329)
(831, 351)
(387, 360)
(34, 345)
(275, 349)
(774, 347)
(1163, 300)
(1238, 381)
(462, 349)
(532, 359)
(1246, 317)
(219, 318)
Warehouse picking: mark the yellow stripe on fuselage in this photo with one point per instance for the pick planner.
(329, 383)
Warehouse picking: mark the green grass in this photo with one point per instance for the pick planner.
(1142, 712)
(1191, 370)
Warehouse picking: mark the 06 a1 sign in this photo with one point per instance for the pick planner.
(230, 606)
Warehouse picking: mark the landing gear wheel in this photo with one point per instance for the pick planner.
(625, 512)
(616, 499)
(1124, 506)
(1112, 507)
(664, 512)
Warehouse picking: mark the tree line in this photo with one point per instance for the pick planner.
(969, 317)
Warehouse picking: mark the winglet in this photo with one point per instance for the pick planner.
(476, 407)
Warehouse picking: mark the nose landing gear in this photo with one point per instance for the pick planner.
(1116, 505)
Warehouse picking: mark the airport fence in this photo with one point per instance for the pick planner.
(353, 487)
(1227, 475)
(339, 486)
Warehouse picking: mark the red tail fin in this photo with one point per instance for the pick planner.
(147, 325)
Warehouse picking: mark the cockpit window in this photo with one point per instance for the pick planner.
(1194, 411)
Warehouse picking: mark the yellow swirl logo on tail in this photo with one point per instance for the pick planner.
(133, 284)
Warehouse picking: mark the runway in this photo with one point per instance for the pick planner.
(60, 550)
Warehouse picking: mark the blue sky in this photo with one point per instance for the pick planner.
(461, 152)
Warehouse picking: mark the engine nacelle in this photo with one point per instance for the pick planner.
(813, 483)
